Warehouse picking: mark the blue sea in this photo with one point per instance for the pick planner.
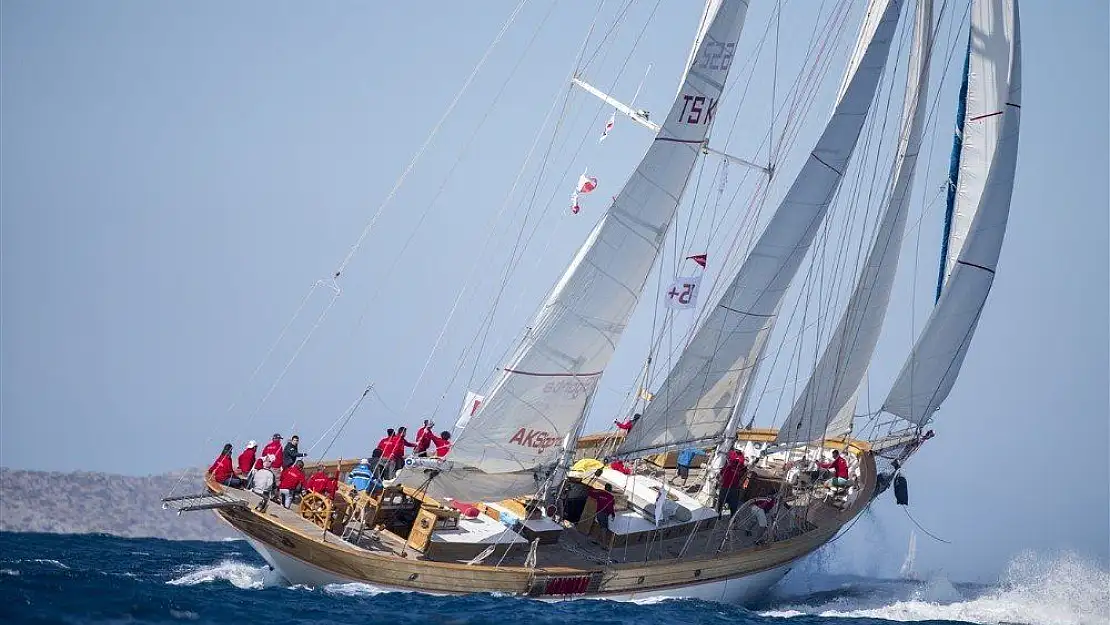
(48, 578)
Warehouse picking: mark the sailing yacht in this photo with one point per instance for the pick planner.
(528, 504)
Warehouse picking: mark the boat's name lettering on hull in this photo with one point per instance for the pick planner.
(697, 109)
(534, 439)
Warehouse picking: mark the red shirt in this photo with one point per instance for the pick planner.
(424, 439)
(604, 500)
(732, 470)
(443, 446)
(291, 477)
(620, 466)
(322, 483)
(840, 464)
(246, 460)
(626, 426)
(395, 447)
(274, 449)
(221, 468)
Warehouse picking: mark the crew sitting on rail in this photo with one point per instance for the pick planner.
(840, 468)
(246, 459)
(322, 483)
(222, 470)
(263, 480)
(627, 425)
(291, 482)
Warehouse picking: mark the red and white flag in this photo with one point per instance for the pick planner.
(608, 126)
(699, 259)
(586, 184)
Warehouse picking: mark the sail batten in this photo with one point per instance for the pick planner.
(540, 395)
(932, 367)
(708, 381)
(830, 393)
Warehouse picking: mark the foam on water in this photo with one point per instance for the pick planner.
(238, 574)
(354, 589)
(1036, 591)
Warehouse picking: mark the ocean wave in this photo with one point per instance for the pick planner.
(355, 589)
(1066, 590)
(12, 572)
(60, 565)
(238, 574)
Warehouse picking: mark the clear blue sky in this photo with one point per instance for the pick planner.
(176, 176)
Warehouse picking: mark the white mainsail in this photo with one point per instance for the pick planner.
(709, 379)
(835, 382)
(538, 400)
(988, 74)
(928, 375)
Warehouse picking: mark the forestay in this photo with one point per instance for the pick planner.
(928, 375)
(835, 382)
(541, 395)
(988, 65)
(710, 377)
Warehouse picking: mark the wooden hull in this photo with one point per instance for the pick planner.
(304, 554)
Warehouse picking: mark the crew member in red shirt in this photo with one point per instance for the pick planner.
(292, 480)
(731, 473)
(605, 507)
(840, 469)
(322, 483)
(627, 425)
(394, 452)
(246, 459)
(273, 448)
(442, 443)
(424, 438)
(222, 471)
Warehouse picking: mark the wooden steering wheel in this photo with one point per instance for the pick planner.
(316, 508)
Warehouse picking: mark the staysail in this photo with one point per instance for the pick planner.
(709, 379)
(928, 375)
(538, 399)
(834, 384)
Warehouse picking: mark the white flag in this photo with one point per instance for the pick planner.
(608, 127)
(470, 407)
(683, 293)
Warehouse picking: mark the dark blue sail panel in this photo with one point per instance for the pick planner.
(954, 170)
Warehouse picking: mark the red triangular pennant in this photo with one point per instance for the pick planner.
(698, 258)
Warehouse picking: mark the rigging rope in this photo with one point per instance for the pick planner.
(918, 525)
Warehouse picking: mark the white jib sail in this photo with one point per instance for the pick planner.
(932, 367)
(992, 32)
(540, 396)
(835, 381)
(703, 387)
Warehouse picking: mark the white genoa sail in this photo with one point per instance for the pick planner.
(928, 375)
(833, 387)
(709, 379)
(988, 75)
(539, 398)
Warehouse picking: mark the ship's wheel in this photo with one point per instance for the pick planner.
(316, 508)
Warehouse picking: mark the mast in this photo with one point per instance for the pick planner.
(537, 402)
(701, 393)
(834, 384)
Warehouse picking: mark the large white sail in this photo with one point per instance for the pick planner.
(931, 370)
(832, 388)
(708, 380)
(988, 67)
(540, 396)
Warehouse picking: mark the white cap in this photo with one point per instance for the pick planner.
(251, 444)
(364, 461)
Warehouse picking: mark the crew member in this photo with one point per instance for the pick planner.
(840, 470)
(222, 471)
(273, 448)
(246, 459)
(292, 481)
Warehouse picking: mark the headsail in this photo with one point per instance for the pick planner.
(833, 386)
(540, 396)
(990, 43)
(709, 379)
(931, 370)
